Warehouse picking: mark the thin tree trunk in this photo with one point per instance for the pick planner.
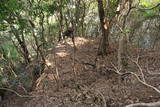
(60, 21)
(123, 41)
(66, 22)
(42, 28)
(22, 44)
(83, 16)
(77, 16)
(38, 46)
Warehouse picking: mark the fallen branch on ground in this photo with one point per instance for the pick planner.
(154, 104)
(86, 63)
(144, 83)
(139, 67)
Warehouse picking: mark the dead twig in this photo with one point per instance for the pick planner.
(117, 70)
(38, 81)
(87, 63)
(144, 83)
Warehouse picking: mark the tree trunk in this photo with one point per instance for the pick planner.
(22, 44)
(38, 46)
(77, 16)
(66, 22)
(42, 28)
(104, 45)
(60, 21)
(82, 21)
(123, 41)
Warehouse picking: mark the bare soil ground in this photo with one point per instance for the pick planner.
(88, 86)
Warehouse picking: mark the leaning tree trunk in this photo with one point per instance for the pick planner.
(42, 28)
(24, 51)
(38, 46)
(104, 45)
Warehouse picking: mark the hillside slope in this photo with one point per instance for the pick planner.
(82, 84)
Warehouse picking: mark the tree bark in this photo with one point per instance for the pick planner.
(60, 20)
(82, 21)
(123, 41)
(22, 44)
(42, 27)
(104, 45)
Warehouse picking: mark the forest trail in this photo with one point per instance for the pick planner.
(91, 86)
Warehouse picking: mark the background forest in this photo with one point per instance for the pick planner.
(56, 47)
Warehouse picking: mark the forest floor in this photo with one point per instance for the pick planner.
(81, 84)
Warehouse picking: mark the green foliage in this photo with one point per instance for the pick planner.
(53, 6)
(4, 26)
(8, 7)
(17, 13)
(10, 51)
(112, 7)
(149, 3)
(5, 74)
(3, 78)
(9, 80)
(152, 13)
(126, 31)
(145, 3)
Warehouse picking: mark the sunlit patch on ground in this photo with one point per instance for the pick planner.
(78, 41)
(48, 63)
(62, 54)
